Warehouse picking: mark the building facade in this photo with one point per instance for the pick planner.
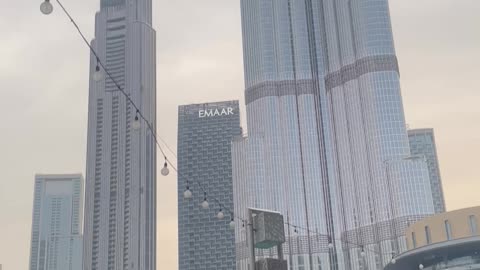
(120, 210)
(327, 144)
(444, 241)
(205, 133)
(422, 142)
(56, 241)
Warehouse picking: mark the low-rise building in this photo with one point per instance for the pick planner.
(449, 240)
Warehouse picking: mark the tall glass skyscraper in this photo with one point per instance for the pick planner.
(120, 210)
(327, 144)
(422, 143)
(205, 133)
(56, 242)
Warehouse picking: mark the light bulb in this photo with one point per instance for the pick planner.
(165, 171)
(136, 125)
(187, 194)
(420, 266)
(232, 224)
(362, 253)
(220, 214)
(46, 7)
(97, 75)
(394, 261)
(205, 204)
(330, 245)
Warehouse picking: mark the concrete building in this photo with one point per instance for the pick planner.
(445, 241)
(205, 133)
(327, 144)
(422, 142)
(120, 210)
(56, 241)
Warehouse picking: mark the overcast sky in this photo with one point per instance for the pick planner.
(44, 90)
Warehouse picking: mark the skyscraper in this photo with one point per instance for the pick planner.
(422, 143)
(327, 144)
(205, 133)
(56, 242)
(120, 211)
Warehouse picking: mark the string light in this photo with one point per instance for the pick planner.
(363, 252)
(46, 7)
(205, 204)
(187, 194)
(220, 214)
(136, 125)
(97, 75)
(165, 171)
(232, 224)
(420, 266)
(330, 242)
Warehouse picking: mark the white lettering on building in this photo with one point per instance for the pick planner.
(215, 112)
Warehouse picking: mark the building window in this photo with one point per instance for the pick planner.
(473, 225)
(448, 230)
(428, 235)
(301, 262)
(319, 262)
(414, 240)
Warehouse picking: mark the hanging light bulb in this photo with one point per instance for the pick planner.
(187, 194)
(330, 242)
(136, 125)
(220, 214)
(394, 261)
(165, 171)
(46, 7)
(97, 75)
(205, 204)
(362, 253)
(420, 266)
(232, 224)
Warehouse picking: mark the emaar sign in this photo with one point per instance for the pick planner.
(215, 112)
